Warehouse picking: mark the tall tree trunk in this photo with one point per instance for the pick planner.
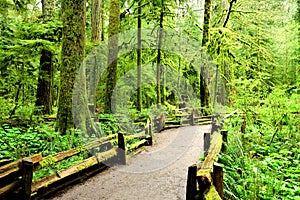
(102, 22)
(73, 52)
(96, 23)
(139, 58)
(158, 64)
(205, 39)
(46, 73)
(297, 68)
(206, 22)
(114, 24)
(96, 20)
(20, 85)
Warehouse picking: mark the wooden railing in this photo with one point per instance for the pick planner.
(205, 180)
(179, 119)
(16, 178)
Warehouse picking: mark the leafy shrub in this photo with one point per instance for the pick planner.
(264, 162)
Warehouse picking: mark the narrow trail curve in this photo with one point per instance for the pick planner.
(158, 173)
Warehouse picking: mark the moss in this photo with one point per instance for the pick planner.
(114, 24)
(73, 52)
(48, 161)
(212, 194)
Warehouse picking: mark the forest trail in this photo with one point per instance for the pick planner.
(158, 173)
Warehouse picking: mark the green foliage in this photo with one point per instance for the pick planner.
(19, 142)
(52, 167)
(21, 44)
(256, 55)
(108, 124)
(264, 162)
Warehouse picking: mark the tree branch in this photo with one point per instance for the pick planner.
(243, 11)
(229, 11)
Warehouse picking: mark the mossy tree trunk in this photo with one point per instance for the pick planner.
(204, 96)
(46, 73)
(158, 64)
(113, 30)
(297, 72)
(96, 20)
(73, 52)
(139, 58)
(97, 36)
(206, 22)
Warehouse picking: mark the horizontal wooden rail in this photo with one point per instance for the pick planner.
(144, 138)
(108, 155)
(205, 180)
(5, 161)
(10, 173)
(186, 119)
(214, 149)
(64, 174)
(135, 136)
(17, 176)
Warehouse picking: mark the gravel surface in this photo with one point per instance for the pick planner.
(158, 173)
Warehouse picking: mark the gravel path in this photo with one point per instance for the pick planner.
(158, 173)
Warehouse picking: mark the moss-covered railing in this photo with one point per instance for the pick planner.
(205, 180)
(16, 178)
(179, 118)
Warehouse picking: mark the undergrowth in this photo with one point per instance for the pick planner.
(263, 162)
(19, 142)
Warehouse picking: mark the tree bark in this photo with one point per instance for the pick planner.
(158, 64)
(114, 24)
(46, 73)
(205, 39)
(139, 58)
(96, 20)
(45, 84)
(97, 36)
(73, 52)
(48, 9)
(206, 23)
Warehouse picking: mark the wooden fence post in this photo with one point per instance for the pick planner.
(27, 173)
(206, 143)
(158, 124)
(150, 133)
(121, 151)
(215, 126)
(162, 122)
(191, 187)
(192, 118)
(217, 177)
(224, 144)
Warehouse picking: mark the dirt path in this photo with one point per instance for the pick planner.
(158, 173)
